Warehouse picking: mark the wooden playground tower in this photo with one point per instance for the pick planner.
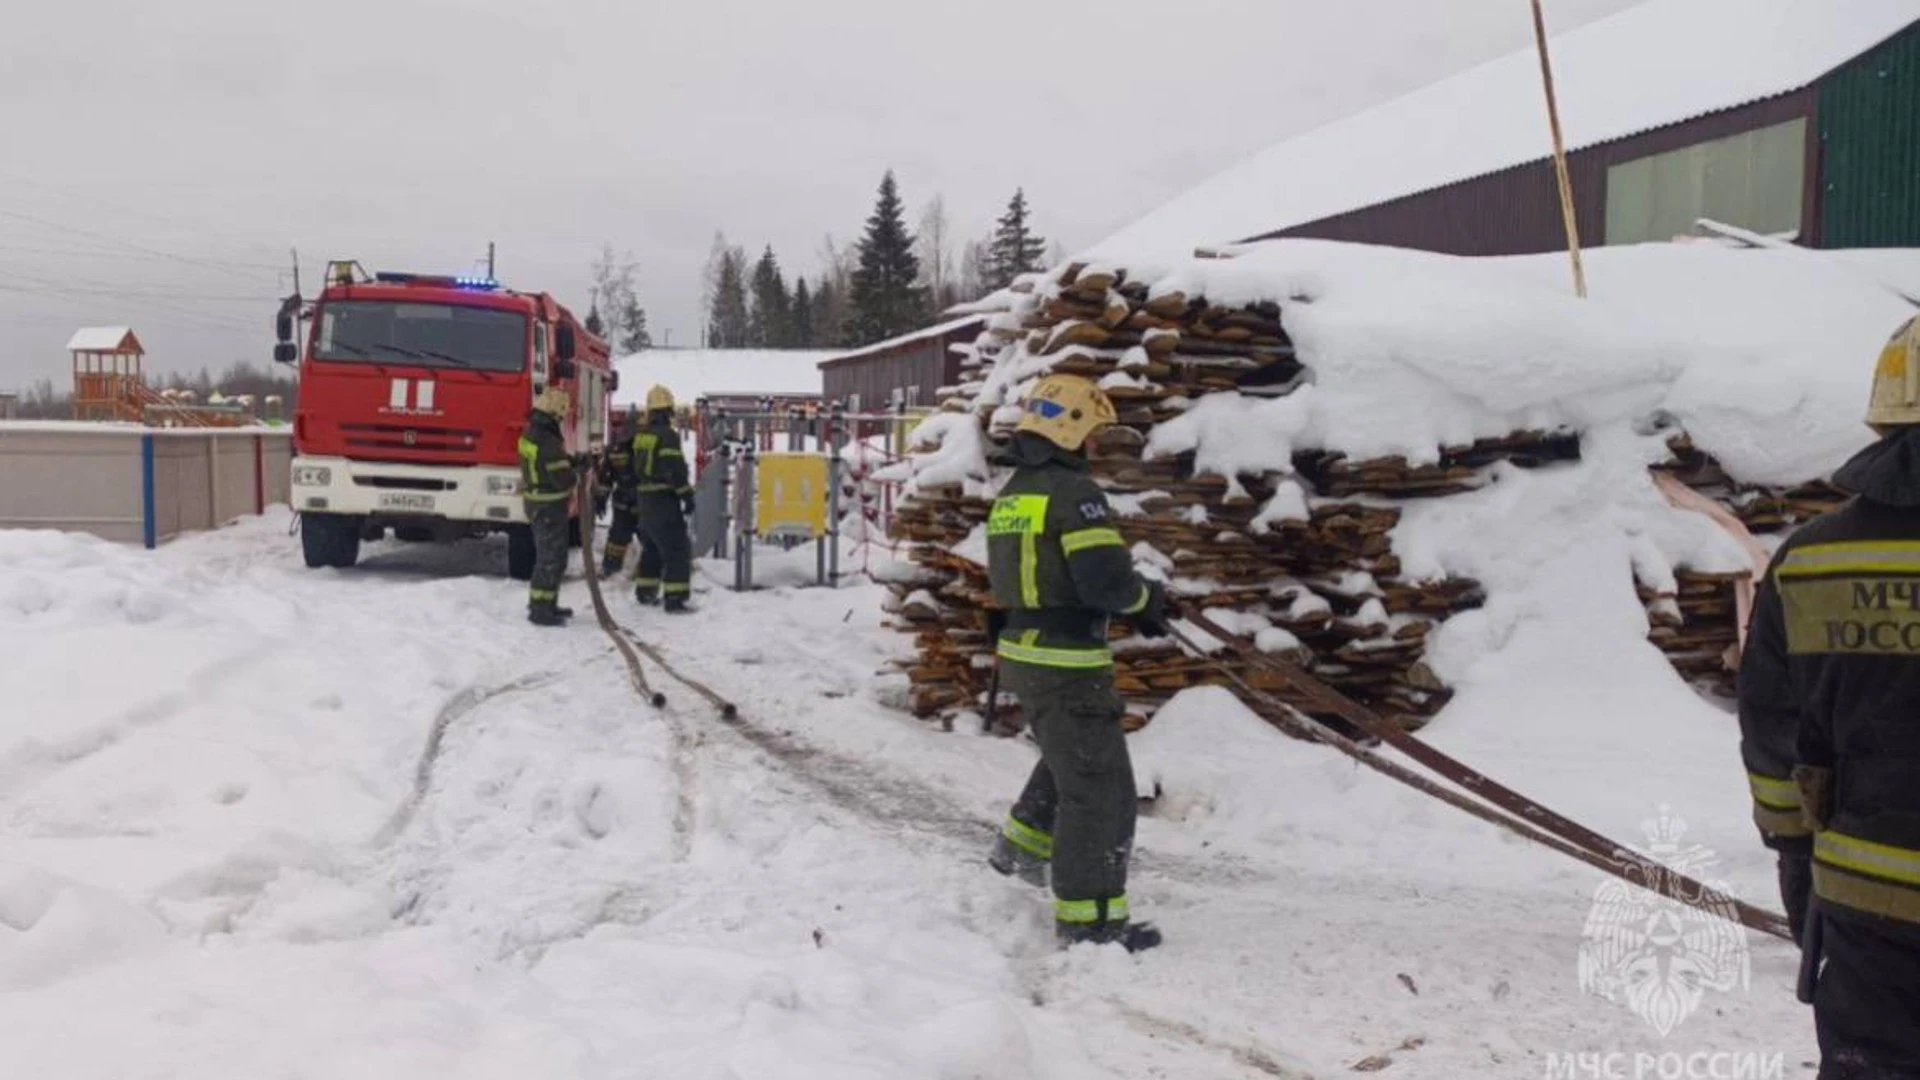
(108, 384)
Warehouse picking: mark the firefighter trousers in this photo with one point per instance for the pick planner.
(549, 521)
(1866, 1007)
(620, 534)
(666, 551)
(1080, 804)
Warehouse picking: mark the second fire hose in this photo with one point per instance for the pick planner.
(1495, 803)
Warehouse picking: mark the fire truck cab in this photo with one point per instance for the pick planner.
(414, 390)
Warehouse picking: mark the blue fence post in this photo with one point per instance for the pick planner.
(149, 525)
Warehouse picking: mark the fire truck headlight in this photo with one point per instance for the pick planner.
(503, 485)
(312, 476)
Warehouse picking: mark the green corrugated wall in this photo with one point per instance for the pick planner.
(1870, 148)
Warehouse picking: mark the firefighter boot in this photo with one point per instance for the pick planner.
(676, 604)
(1011, 861)
(647, 594)
(547, 613)
(1102, 930)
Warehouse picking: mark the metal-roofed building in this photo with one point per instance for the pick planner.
(1796, 118)
(908, 370)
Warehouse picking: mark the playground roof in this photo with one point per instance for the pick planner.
(105, 339)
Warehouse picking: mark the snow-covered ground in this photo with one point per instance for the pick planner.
(259, 821)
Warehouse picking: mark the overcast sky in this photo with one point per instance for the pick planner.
(158, 160)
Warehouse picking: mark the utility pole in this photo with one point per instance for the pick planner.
(490, 276)
(1567, 211)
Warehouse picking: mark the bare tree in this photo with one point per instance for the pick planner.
(972, 283)
(616, 300)
(936, 255)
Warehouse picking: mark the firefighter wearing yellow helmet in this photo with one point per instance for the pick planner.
(659, 490)
(1060, 571)
(1830, 734)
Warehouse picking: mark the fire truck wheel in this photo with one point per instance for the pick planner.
(329, 540)
(520, 552)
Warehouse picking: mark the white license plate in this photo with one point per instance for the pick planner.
(416, 503)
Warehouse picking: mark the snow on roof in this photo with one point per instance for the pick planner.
(696, 373)
(1658, 63)
(951, 326)
(102, 339)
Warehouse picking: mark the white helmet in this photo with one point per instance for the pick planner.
(1895, 401)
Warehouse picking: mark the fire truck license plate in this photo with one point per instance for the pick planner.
(406, 502)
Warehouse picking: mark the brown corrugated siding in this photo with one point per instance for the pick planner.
(1517, 211)
(929, 364)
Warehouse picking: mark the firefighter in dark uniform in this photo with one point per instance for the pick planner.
(1830, 726)
(546, 486)
(663, 495)
(616, 477)
(1059, 571)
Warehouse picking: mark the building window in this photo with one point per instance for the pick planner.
(1755, 180)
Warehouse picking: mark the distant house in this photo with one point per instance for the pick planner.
(908, 370)
(1794, 118)
(9, 405)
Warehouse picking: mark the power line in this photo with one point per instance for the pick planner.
(223, 266)
(196, 228)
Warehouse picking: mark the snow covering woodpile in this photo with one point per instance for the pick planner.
(1337, 449)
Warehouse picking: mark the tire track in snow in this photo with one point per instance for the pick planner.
(34, 760)
(456, 708)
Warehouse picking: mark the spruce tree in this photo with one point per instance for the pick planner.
(803, 335)
(770, 324)
(887, 299)
(634, 335)
(1014, 249)
(728, 321)
(595, 325)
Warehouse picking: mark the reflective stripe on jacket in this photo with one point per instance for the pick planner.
(546, 472)
(659, 464)
(1052, 549)
(1830, 679)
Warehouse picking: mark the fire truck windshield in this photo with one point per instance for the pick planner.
(421, 335)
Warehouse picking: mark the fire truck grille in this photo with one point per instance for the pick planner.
(417, 438)
(406, 483)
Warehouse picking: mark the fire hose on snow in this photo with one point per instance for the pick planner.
(1484, 798)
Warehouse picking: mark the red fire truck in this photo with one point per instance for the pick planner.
(414, 390)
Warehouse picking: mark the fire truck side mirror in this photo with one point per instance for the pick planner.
(283, 321)
(286, 353)
(613, 381)
(563, 342)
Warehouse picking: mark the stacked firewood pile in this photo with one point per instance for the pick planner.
(1697, 624)
(1320, 585)
(1762, 509)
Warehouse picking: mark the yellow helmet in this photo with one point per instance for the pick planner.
(1896, 381)
(659, 398)
(554, 401)
(1065, 410)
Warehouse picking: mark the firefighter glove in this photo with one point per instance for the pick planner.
(1152, 619)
